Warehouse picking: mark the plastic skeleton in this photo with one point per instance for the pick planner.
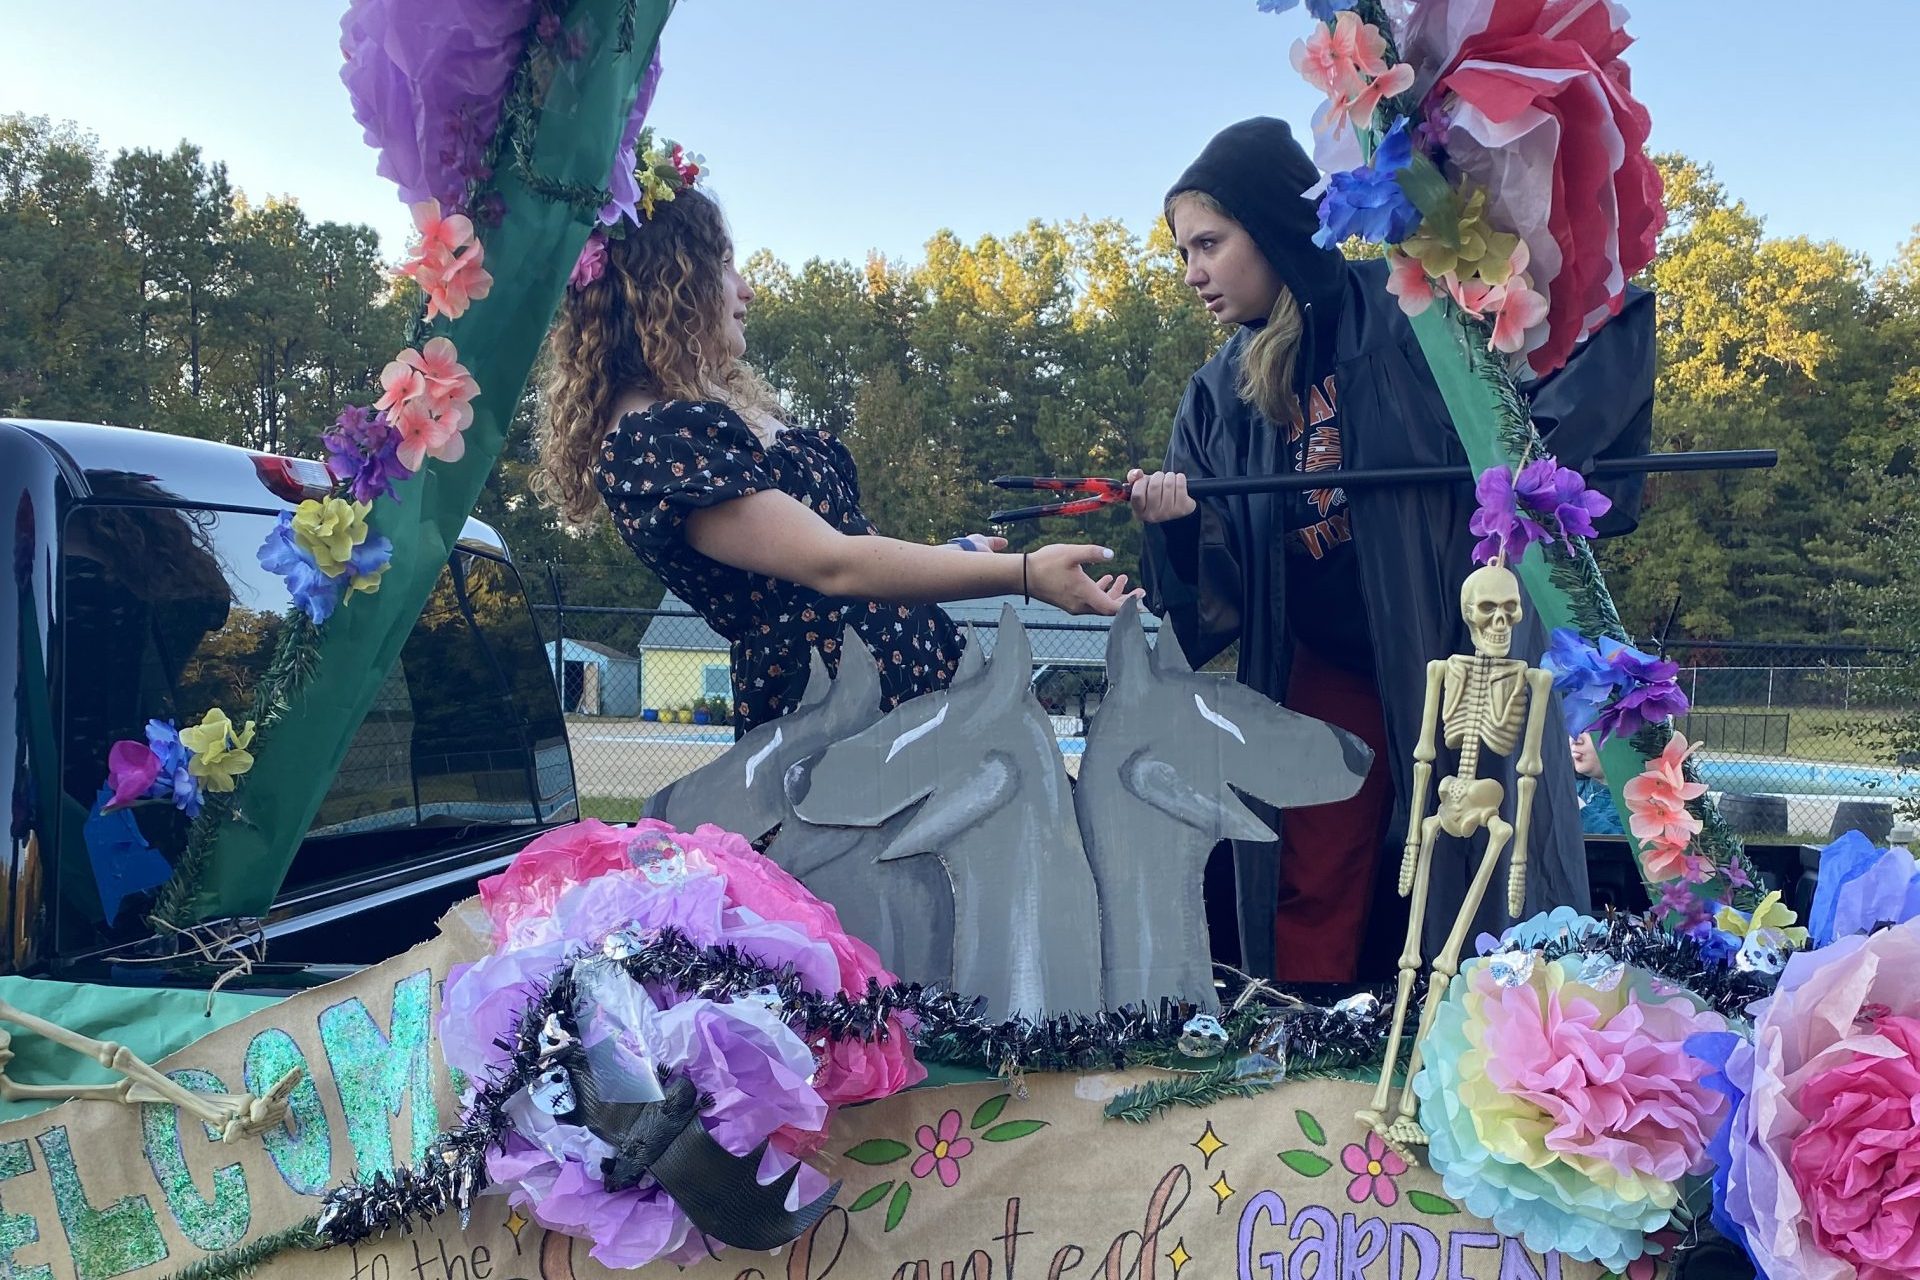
(233, 1116)
(1482, 701)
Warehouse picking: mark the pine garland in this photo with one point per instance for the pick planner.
(292, 665)
(243, 1260)
(1143, 1102)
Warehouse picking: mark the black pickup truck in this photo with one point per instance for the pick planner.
(136, 594)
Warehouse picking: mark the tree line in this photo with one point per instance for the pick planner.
(143, 289)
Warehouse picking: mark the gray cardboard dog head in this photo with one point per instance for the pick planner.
(1192, 740)
(937, 749)
(742, 790)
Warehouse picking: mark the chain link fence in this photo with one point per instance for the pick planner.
(1791, 738)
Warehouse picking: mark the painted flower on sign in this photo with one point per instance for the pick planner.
(1374, 1167)
(942, 1150)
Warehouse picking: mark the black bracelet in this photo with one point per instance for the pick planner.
(1025, 595)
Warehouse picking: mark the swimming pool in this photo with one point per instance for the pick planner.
(1800, 777)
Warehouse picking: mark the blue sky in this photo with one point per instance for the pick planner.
(838, 126)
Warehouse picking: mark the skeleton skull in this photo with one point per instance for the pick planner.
(1490, 603)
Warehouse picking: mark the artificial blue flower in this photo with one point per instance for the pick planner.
(174, 782)
(370, 557)
(1648, 691)
(1860, 887)
(1368, 202)
(1321, 9)
(1559, 924)
(1717, 946)
(1583, 678)
(314, 592)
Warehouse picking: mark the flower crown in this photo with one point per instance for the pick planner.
(662, 170)
(665, 169)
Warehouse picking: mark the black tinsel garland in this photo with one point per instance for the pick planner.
(949, 1028)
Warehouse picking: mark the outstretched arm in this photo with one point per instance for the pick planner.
(771, 533)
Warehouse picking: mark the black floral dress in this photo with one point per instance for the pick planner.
(661, 464)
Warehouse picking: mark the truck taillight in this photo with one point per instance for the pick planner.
(294, 479)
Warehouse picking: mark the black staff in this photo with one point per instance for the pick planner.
(1102, 492)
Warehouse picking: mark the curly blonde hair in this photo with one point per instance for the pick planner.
(655, 320)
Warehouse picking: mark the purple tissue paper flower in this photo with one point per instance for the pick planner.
(1368, 202)
(363, 449)
(426, 90)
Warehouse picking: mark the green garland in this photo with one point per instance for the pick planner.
(293, 662)
(243, 1260)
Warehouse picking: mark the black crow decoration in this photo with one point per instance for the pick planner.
(721, 1193)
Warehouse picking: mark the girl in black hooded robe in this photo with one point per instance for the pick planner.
(1340, 599)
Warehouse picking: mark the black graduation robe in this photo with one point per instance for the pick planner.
(1219, 575)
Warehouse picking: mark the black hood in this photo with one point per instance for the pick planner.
(1257, 172)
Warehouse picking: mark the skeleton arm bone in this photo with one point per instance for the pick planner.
(234, 1115)
(1528, 767)
(1423, 756)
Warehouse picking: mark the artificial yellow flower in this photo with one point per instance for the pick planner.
(219, 751)
(1771, 913)
(328, 529)
(1467, 250)
(367, 582)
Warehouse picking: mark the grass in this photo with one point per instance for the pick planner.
(611, 808)
(1825, 733)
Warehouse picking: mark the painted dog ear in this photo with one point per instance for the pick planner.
(819, 683)
(1128, 658)
(1168, 656)
(858, 685)
(1011, 670)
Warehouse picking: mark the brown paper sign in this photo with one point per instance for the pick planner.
(979, 1182)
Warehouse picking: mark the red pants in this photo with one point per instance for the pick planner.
(1329, 853)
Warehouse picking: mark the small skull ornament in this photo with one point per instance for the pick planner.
(1203, 1037)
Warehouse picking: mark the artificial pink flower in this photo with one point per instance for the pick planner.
(1609, 1076)
(1657, 799)
(591, 264)
(1330, 58)
(446, 261)
(1520, 309)
(855, 1070)
(1855, 1164)
(427, 394)
(1407, 280)
(942, 1151)
(1664, 860)
(131, 768)
(1347, 62)
(1374, 1168)
(533, 882)
(1358, 108)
